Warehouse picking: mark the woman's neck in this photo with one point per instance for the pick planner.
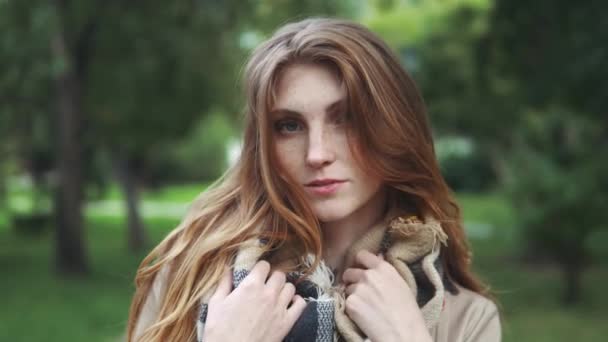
(339, 235)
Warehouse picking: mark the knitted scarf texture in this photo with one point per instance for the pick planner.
(411, 245)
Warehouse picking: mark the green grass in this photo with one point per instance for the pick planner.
(490, 208)
(171, 193)
(529, 295)
(21, 197)
(37, 305)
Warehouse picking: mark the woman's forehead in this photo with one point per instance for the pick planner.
(308, 88)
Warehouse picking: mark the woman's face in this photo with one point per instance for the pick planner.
(310, 130)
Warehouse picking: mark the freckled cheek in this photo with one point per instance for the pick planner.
(290, 154)
(342, 148)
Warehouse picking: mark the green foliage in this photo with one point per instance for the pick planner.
(555, 49)
(461, 100)
(268, 15)
(470, 173)
(157, 71)
(559, 185)
(24, 55)
(25, 99)
(463, 164)
(406, 23)
(552, 53)
(201, 155)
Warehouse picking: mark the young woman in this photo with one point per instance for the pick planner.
(334, 225)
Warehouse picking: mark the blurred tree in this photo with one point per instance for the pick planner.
(199, 156)
(560, 191)
(268, 15)
(464, 168)
(24, 95)
(554, 53)
(155, 64)
(557, 48)
(460, 100)
(71, 47)
(157, 70)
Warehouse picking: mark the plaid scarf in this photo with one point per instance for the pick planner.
(409, 244)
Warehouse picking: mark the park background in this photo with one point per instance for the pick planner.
(114, 115)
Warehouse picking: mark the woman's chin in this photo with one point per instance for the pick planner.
(327, 214)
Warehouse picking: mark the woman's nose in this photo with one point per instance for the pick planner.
(320, 150)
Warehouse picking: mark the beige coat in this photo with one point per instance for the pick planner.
(467, 317)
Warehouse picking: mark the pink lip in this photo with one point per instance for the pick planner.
(324, 186)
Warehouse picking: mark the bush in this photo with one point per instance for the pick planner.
(464, 166)
(200, 156)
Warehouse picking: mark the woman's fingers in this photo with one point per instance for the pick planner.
(276, 281)
(295, 310)
(353, 275)
(259, 272)
(368, 259)
(350, 289)
(225, 285)
(286, 295)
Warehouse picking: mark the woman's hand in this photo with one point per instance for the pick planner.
(381, 303)
(257, 310)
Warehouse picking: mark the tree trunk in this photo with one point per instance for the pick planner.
(3, 192)
(499, 164)
(136, 234)
(573, 273)
(70, 246)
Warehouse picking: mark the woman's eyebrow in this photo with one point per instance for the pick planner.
(334, 106)
(284, 112)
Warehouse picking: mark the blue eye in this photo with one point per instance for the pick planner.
(288, 126)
